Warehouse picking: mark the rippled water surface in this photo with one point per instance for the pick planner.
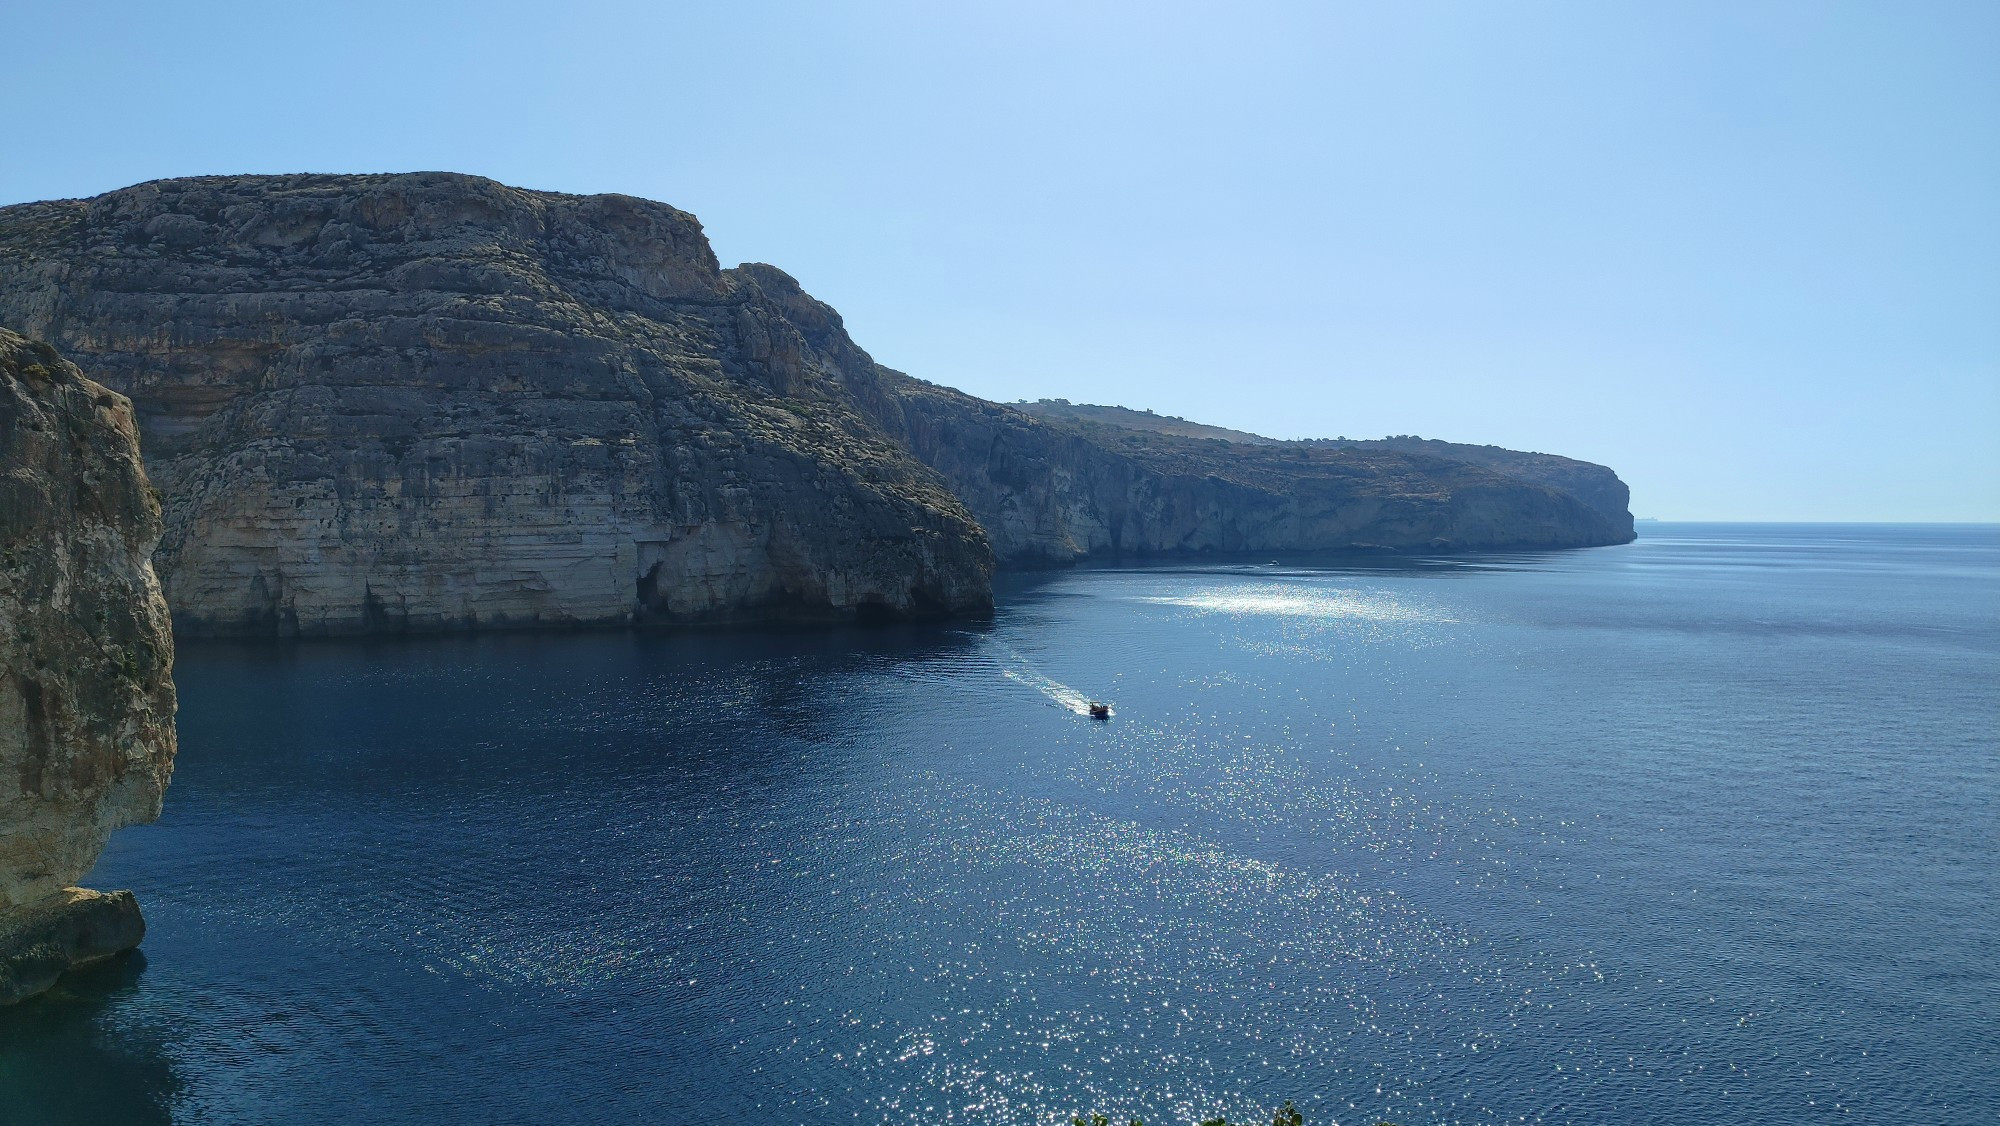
(1698, 830)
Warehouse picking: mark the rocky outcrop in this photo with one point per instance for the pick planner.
(433, 401)
(46, 939)
(426, 401)
(86, 662)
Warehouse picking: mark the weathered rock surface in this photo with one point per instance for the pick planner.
(86, 661)
(51, 936)
(1053, 490)
(1590, 483)
(423, 401)
(1527, 525)
(428, 401)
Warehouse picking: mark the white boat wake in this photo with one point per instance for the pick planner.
(1062, 694)
(1021, 672)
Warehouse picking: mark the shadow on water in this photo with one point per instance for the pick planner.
(535, 711)
(67, 1057)
(466, 804)
(1352, 834)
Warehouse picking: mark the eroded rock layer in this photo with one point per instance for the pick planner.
(1051, 492)
(1055, 489)
(1595, 485)
(384, 402)
(43, 940)
(86, 661)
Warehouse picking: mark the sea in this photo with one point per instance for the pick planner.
(1697, 830)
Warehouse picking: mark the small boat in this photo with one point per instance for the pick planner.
(1099, 711)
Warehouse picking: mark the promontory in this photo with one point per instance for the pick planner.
(419, 401)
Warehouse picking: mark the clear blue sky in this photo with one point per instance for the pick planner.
(1748, 254)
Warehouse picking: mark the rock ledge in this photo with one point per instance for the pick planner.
(75, 927)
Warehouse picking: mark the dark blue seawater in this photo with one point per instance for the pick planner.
(1698, 830)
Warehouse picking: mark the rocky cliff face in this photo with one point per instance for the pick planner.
(427, 401)
(1055, 485)
(86, 661)
(424, 401)
(1594, 485)
(1053, 490)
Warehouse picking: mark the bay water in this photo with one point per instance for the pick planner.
(1697, 830)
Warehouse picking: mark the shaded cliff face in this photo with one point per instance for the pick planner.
(428, 401)
(1052, 489)
(1592, 484)
(1054, 482)
(86, 661)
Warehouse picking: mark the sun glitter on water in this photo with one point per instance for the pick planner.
(1292, 600)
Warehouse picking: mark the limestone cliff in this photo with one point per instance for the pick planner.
(422, 401)
(1590, 483)
(428, 401)
(86, 662)
(1052, 491)
(1594, 485)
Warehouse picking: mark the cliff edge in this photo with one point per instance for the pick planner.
(1053, 490)
(86, 662)
(431, 401)
(1164, 440)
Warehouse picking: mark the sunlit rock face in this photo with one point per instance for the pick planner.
(433, 401)
(86, 661)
